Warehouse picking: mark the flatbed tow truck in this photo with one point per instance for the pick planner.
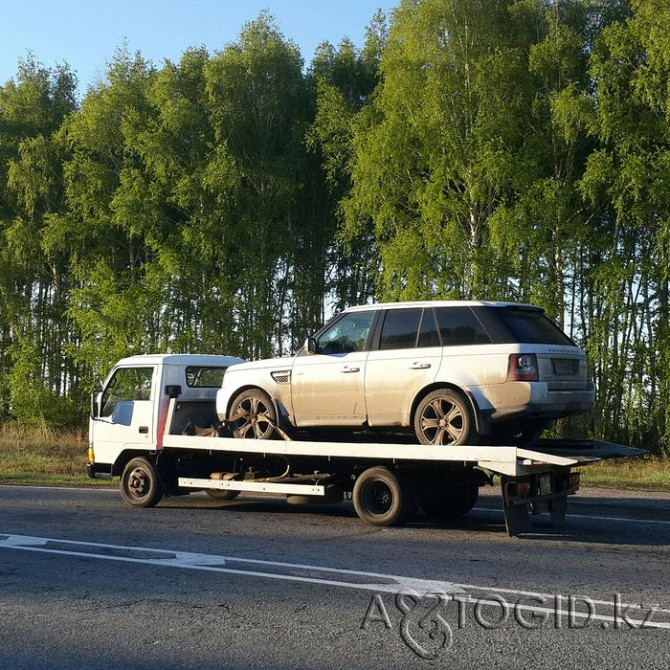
(166, 440)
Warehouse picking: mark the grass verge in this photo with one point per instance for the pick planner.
(42, 456)
(648, 473)
(45, 457)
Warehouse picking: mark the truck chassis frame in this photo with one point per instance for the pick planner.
(387, 479)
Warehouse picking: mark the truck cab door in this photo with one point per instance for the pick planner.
(126, 417)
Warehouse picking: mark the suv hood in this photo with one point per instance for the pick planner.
(266, 364)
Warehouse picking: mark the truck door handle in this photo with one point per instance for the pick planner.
(419, 366)
(349, 368)
(144, 430)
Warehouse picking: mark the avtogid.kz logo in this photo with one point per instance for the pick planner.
(427, 622)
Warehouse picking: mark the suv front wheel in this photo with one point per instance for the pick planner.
(444, 417)
(252, 415)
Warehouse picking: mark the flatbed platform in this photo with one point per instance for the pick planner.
(511, 461)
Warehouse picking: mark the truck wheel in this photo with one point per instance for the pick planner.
(444, 417)
(382, 499)
(221, 494)
(141, 485)
(452, 503)
(253, 415)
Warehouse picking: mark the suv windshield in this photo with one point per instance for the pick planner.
(533, 327)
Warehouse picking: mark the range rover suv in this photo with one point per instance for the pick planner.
(454, 372)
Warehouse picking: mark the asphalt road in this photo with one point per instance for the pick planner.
(87, 581)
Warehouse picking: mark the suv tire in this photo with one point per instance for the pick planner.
(253, 415)
(444, 417)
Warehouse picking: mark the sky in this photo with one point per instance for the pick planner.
(85, 34)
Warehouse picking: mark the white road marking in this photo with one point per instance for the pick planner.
(617, 518)
(366, 581)
(588, 516)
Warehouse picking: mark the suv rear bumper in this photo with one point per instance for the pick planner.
(539, 399)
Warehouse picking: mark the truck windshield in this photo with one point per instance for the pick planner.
(127, 385)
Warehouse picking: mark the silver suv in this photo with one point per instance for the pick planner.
(454, 372)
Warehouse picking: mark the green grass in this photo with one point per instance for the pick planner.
(649, 473)
(45, 457)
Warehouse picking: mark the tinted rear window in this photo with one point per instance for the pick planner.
(533, 327)
(458, 326)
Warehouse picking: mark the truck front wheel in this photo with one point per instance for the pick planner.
(141, 485)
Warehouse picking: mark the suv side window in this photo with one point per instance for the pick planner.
(350, 333)
(400, 328)
(428, 336)
(459, 326)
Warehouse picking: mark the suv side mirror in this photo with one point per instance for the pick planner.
(310, 345)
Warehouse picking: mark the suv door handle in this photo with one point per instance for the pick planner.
(419, 366)
(348, 368)
(144, 430)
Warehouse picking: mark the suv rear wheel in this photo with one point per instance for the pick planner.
(444, 417)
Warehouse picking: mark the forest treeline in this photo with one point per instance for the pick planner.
(227, 203)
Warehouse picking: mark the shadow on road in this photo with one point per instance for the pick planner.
(602, 522)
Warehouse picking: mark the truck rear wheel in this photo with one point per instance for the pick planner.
(253, 415)
(141, 485)
(383, 499)
(452, 503)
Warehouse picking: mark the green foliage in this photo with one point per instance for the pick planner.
(498, 149)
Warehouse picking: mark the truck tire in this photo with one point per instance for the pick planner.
(444, 417)
(383, 499)
(141, 485)
(221, 494)
(452, 502)
(253, 415)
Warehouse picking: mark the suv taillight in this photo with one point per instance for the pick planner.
(522, 368)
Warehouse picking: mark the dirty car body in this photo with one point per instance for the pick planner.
(454, 371)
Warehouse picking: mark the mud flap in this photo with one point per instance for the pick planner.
(557, 508)
(517, 519)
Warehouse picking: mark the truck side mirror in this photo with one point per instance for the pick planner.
(173, 390)
(310, 345)
(95, 404)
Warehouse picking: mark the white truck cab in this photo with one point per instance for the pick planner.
(128, 414)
